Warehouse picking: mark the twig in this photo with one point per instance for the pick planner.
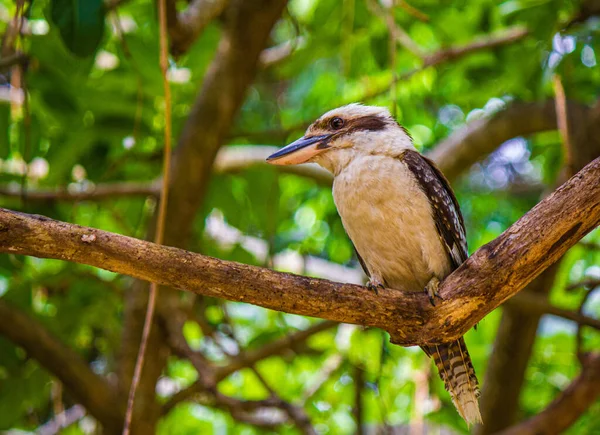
(506, 37)
(62, 421)
(590, 245)
(331, 365)
(397, 33)
(109, 5)
(162, 213)
(250, 357)
(92, 192)
(579, 336)
(273, 56)
(12, 60)
(138, 76)
(536, 304)
(357, 409)
(563, 123)
(411, 10)
(590, 283)
(295, 413)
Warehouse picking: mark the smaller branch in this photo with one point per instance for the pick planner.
(412, 11)
(568, 406)
(506, 37)
(590, 245)
(579, 336)
(173, 325)
(563, 124)
(500, 39)
(509, 36)
(329, 368)
(186, 27)
(289, 343)
(587, 9)
(162, 213)
(12, 60)
(273, 56)
(230, 160)
(261, 413)
(62, 421)
(535, 304)
(98, 192)
(277, 347)
(109, 5)
(589, 283)
(398, 34)
(357, 410)
(207, 385)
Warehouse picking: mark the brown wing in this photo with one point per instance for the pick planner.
(446, 211)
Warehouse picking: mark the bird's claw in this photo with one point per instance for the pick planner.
(432, 290)
(375, 286)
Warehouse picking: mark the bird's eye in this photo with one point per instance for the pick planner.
(336, 123)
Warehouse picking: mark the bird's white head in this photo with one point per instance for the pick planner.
(343, 134)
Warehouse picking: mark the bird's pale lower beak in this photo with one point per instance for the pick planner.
(299, 151)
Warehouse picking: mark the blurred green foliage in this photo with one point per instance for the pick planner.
(96, 115)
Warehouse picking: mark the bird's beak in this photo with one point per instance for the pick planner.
(300, 151)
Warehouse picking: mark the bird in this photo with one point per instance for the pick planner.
(401, 215)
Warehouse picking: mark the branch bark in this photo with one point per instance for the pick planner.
(568, 406)
(490, 276)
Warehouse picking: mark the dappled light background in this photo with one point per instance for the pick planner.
(81, 140)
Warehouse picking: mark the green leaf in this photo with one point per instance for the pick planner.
(81, 24)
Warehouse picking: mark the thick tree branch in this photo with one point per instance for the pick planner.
(89, 389)
(568, 406)
(490, 276)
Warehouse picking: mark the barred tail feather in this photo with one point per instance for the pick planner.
(456, 370)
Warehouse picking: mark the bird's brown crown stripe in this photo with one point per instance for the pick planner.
(368, 122)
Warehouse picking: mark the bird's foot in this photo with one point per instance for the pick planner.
(375, 285)
(432, 290)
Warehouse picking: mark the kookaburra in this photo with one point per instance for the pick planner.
(400, 213)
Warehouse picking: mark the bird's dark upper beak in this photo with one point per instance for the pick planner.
(300, 151)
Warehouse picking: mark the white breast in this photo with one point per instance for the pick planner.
(389, 220)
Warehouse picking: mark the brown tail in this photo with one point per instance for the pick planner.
(456, 370)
